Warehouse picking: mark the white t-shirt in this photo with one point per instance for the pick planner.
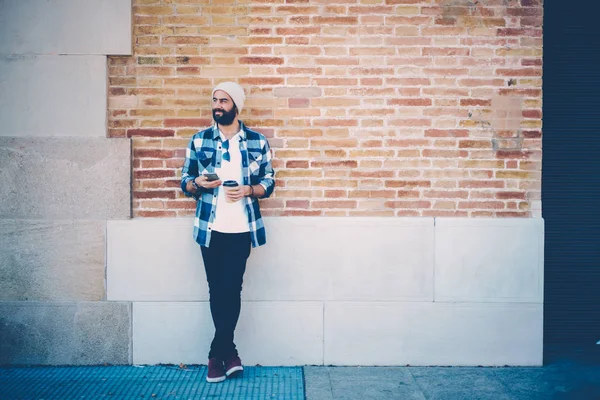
(230, 217)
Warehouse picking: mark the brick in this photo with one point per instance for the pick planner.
(476, 102)
(480, 164)
(299, 31)
(514, 154)
(410, 122)
(296, 92)
(299, 71)
(446, 52)
(303, 213)
(475, 144)
(446, 133)
(510, 195)
(481, 184)
(520, 72)
(372, 153)
(153, 174)
(295, 112)
(481, 82)
(449, 194)
(481, 204)
(372, 51)
(335, 122)
(298, 103)
(153, 10)
(335, 81)
(334, 164)
(335, 183)
(526, 32)
(150, 132)
(261, 60)
(513, 175)
(372, 174)
(187, 122)
(444, 153)
(297, 153)
(152, 153)
(334, 194)
(345, 204)
(335, 20)
(153, 214)
(185, 40)
(297, 204)
(408, 204)
(299, 133)
(154, 194)
(296, 164)
(410, 102)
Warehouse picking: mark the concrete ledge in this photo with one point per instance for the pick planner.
(268, 333)
(65, 178)
(305, 259)
(348, 333)
(374, 278)
(85, 333)
(53, 95)
(52, 260)
(433, 334)
(65, 27)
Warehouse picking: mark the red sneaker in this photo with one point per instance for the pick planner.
(216, 373)
(233, 367)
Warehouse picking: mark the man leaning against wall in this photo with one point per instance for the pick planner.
(227, 169)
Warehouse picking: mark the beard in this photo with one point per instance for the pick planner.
(226, 118)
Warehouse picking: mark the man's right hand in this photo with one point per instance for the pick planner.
(203, 182)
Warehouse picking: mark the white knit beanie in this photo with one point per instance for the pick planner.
(235, 91)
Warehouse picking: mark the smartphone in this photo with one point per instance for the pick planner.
(211, 177)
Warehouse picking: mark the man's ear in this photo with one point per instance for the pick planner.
(236, 109)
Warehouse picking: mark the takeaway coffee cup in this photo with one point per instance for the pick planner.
(228, 185)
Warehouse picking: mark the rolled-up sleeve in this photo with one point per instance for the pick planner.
(190, 168)
(267, 174)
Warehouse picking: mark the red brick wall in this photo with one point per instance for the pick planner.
(372, 107)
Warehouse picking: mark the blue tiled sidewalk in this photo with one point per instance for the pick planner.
(147, 382)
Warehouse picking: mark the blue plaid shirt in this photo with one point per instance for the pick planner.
(204, 154)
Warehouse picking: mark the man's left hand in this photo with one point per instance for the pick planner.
(239, 192)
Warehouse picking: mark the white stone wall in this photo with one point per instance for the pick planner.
(61, 179)
(343, 291)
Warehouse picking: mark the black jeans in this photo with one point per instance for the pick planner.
(225, 264)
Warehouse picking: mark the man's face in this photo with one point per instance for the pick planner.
(223, 108)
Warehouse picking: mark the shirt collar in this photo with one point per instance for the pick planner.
(242, 132)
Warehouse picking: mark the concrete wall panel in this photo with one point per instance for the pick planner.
(65, 178)
(52, 260)
(65, 27)
(65, 333)
(304, 259)
(53, 95)
(269, 333)
(489, 259)
(403, 333)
